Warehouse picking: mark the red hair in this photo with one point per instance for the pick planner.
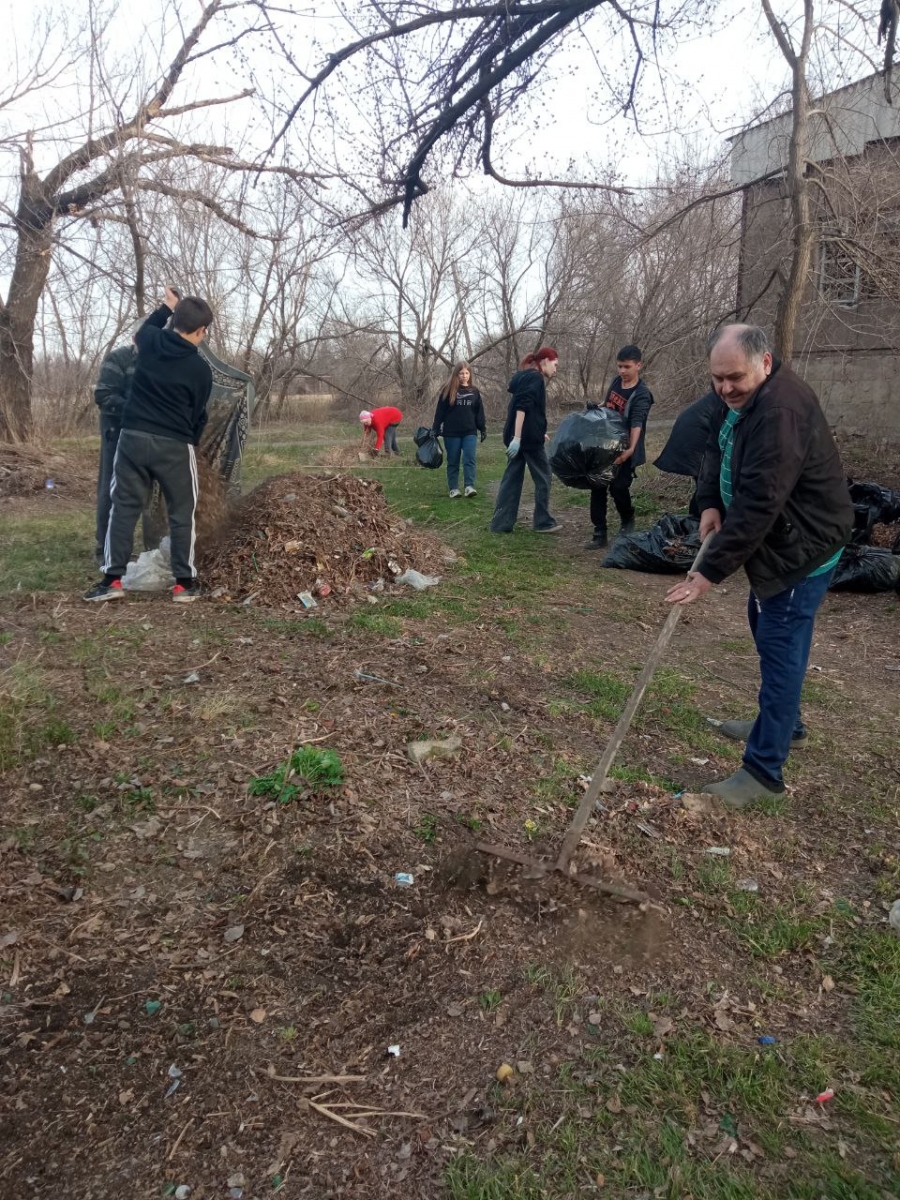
(545, 354)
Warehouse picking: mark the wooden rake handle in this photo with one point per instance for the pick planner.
(598, 779)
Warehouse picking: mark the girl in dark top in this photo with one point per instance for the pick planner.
(524, 436)
(459, 417)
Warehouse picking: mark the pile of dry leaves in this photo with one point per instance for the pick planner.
(328, 535)
(25, 470)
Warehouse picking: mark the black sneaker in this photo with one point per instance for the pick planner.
(105, 591)
(628, 526)
(186, 593)
(597, 543)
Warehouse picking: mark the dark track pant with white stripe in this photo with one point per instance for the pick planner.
(142, 459)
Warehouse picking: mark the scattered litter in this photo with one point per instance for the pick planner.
(182, 1192)
(504, 1073)
(649, 831)
(729, 1125)
(434, 748)
(375, 679)
(658, 1056)
(9, 939)
(415, 579)
(394, 1051)
(175, 1072)
(152, 1007)
(700, 762)
(767, 1040)
(894, 917)
(824, 1097)
(234, 933)
(403, 879)
(258, 1016)
(324, 589)
(49, 485)
(699, 802)
(747, 885)
(712, 721)
(307, 600)
(719, 851)
(194, 677)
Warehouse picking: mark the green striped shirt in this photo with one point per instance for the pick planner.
(726, 484)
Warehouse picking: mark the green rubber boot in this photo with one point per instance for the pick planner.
(740, 790)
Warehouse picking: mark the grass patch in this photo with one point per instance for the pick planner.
(310, 766)
(46, 553)
(378, 623)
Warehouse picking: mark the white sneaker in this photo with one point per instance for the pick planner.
(470, 491)
(455, 494)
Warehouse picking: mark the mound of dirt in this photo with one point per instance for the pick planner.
(330, 535)
(25, 470)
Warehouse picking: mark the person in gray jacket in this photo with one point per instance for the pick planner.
(111, 391)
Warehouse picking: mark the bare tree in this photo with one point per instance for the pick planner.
(129, 132)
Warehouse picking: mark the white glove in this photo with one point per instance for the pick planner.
(513, 448)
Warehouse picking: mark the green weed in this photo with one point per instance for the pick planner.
(310, 766)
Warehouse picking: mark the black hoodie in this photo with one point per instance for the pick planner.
(171, 384)
(529, 396)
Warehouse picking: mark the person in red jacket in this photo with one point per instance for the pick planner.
(383, 422)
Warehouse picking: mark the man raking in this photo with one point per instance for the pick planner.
(772, 491)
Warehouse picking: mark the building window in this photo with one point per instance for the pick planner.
(839, 273)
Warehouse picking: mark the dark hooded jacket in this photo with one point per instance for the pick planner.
(790, 509)
(686, 445)
(637, 409)
(171, 384)
(528, 396)
(114, 381)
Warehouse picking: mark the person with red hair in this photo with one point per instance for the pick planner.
(525, 436)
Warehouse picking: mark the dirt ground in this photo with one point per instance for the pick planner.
(207, 988)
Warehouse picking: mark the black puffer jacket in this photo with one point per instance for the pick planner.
(790, 510)
(529, 396)
(113, 384)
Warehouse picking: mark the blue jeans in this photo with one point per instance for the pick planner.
(782, 629)
(456, 446)
(506, 509)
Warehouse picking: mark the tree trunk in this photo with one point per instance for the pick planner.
(802, 231)
(18, 317)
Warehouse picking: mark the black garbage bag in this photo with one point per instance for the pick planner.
(867, 569)
(585, 445)
(683, 452)
(669, 548)
(872, 505)
(422, 434)
(429, 453)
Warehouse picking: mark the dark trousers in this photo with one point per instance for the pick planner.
(506, 509)
(619, 489)
(464, 446)
(143, 459)
(782, 629)
(109, 439)
(390, 440)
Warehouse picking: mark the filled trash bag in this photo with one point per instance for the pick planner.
(151, 572)
(683, 452)
(872, 505)
(422, 434)
(429, 453)
(669, 548)
(585, 445)
(867, 569)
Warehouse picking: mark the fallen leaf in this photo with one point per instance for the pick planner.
(454, 1010)
(723, 1021)
(126, 1097)
(614, 1104)
(827, 984)
(258, 1016)
(662, 1025)
(234, 934)
(9, 939)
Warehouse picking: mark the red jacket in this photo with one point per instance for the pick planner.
(381, 418)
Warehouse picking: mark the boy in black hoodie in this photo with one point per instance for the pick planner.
(630, 396)
(161, 425)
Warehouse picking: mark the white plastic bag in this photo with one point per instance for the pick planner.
(417, 580)
(152, 572)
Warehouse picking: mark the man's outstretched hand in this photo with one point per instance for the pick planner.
(691, 589)
(171, 297)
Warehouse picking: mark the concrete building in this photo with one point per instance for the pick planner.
(848, 344)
